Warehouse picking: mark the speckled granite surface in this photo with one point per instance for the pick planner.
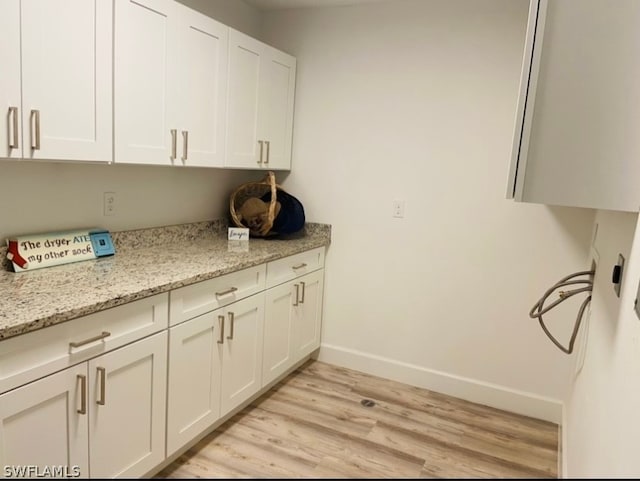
(147, 262)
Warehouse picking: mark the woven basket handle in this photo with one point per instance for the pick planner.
(271, 180)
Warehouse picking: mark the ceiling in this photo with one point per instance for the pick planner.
(283, 4)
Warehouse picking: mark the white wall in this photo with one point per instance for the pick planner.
(44, 197)
(602, 422)
(41, 196)
(415, 100)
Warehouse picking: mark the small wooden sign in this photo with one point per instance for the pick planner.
(45, 250)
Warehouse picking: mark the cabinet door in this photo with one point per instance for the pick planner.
(579, 145)
(127, 396)
(242, 351)
(67, 79)
(42, 424)
(201, 88)
(260, 106)
(143, 77)
(276, 108)
(307, 323)
(194, 378)
(10, 104)
(278, 329)
(245, 76)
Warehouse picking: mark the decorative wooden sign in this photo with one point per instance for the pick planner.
(46, 250)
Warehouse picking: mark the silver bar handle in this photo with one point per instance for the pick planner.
(83, 394)
(221, 338)
(299, 266)
(303, 290)
(174, 147)
(13, 142)
(35, 130)
(297, 294)
(185, 144)
(102, 374)
(99, 337)
(232, 319)
(228, 291)
(268, 142)
(261, 142)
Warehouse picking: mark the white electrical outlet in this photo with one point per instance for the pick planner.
(398, 208)
(109, 203)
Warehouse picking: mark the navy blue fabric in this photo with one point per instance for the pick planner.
(291, 218)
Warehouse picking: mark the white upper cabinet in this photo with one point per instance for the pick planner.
(201, 88)
(576, 141)
(141, 73)
(64, 74)
(260, 104)
(170, 85)
(140, 82)
(10, 128)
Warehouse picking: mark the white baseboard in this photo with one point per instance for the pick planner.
(562, 448)
(493, 395)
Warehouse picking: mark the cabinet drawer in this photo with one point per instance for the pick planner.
(36, 354)
(294, 266)
(197, 299)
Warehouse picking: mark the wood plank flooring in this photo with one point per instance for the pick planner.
(313, 425)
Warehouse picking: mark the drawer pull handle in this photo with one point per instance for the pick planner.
(228, 291)
(297, 294)
(102, 374)
(35, 130)
(299, 266)
(99, 337)
(232, 319)
(303, 289)
(83, 394)
(174, 154)
(185, 144)
(13, 112)
(261, 142)
(221, 338)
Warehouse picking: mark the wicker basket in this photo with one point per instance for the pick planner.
(284, 213)
(256, 189)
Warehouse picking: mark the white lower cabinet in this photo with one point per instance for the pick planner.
(127, 406)
(306, 327)
(242, 352)
(105, 416)
(293, 313)
(215, 364)
(41, 424)
(278, 331)
(115, 393)
(194, 379)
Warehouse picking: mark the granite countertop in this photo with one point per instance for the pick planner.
(147, 262)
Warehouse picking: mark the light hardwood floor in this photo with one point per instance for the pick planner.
(313, 425)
